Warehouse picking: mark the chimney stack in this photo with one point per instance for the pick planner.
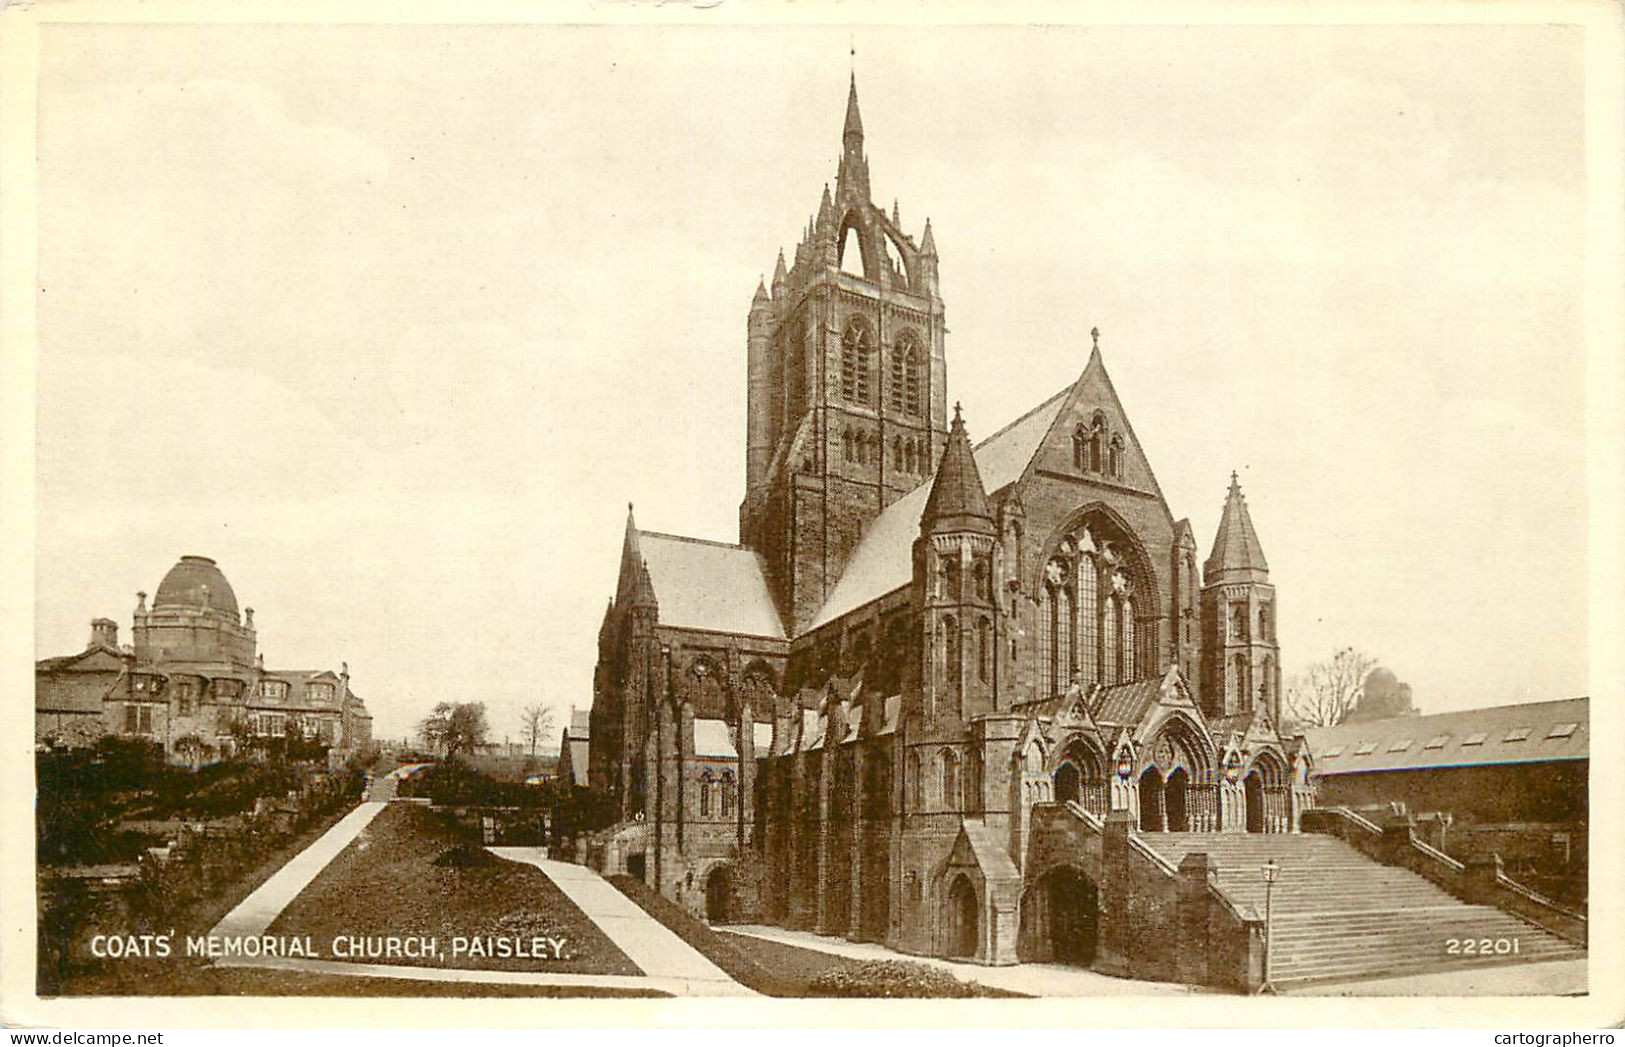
(104, 633)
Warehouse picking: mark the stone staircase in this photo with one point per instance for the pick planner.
(1339, 915)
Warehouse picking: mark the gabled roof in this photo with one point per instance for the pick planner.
(883, 560)
(709, 585)
(1125, 704)
(1237, 554)
(70, 661)
(1532, 732)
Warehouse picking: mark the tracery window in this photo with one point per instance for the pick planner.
(1088, 616)
(1108, 639)
(857, 346)
(1128, 640)
(905, 374)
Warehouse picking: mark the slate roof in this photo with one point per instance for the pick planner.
(1235, 545)
(957, 501)
(1556, 730)
(1125, 704)
(883, 560)
(709, 585)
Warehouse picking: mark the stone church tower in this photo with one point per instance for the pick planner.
(846, 385)
(1242, 670)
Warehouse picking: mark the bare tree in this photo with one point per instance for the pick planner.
(1324, 694)
(537, 721)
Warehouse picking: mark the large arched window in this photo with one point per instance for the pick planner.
(1055, 628)
(857, 346)
(906, 362)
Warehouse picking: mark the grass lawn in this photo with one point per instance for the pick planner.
(775, 969)
(386, 883)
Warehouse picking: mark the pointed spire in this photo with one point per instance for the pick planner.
(1237, 555)
(826, 210)
(928, 243)
(761, 297)
(896, 216)
(852, 133)
(958, 501)
(780, 274)
(1094, 333)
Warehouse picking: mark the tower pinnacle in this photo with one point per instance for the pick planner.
(852, 134)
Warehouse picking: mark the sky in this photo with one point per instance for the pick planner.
(393, 322)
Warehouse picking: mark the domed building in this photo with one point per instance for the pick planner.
(192, 680)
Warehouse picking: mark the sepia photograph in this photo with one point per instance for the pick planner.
(642, 508)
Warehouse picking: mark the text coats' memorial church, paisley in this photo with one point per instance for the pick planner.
(935, 680)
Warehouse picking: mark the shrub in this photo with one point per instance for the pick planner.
(891, 978)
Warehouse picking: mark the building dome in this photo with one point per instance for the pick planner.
(196, 582)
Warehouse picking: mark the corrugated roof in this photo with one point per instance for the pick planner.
(709, 585)
(884, 560)
(1557, 730)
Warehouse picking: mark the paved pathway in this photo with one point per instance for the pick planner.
(646, 942)
(255, 913)
(1028, 979)
(671, 986)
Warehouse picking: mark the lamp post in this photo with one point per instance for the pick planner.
(1271, 870)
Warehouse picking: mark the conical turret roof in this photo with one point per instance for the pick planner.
(1237, 554)
(957, 501)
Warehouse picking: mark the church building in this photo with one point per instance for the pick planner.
(931, 664)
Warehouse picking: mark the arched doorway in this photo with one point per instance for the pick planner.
(1253, 788)
(1151, 816)
(962, 910)
(1174, 805)
(717, 889)
(1067, 782)
(1074, 915)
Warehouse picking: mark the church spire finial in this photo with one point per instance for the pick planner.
(1094, 332)
(852, 134)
